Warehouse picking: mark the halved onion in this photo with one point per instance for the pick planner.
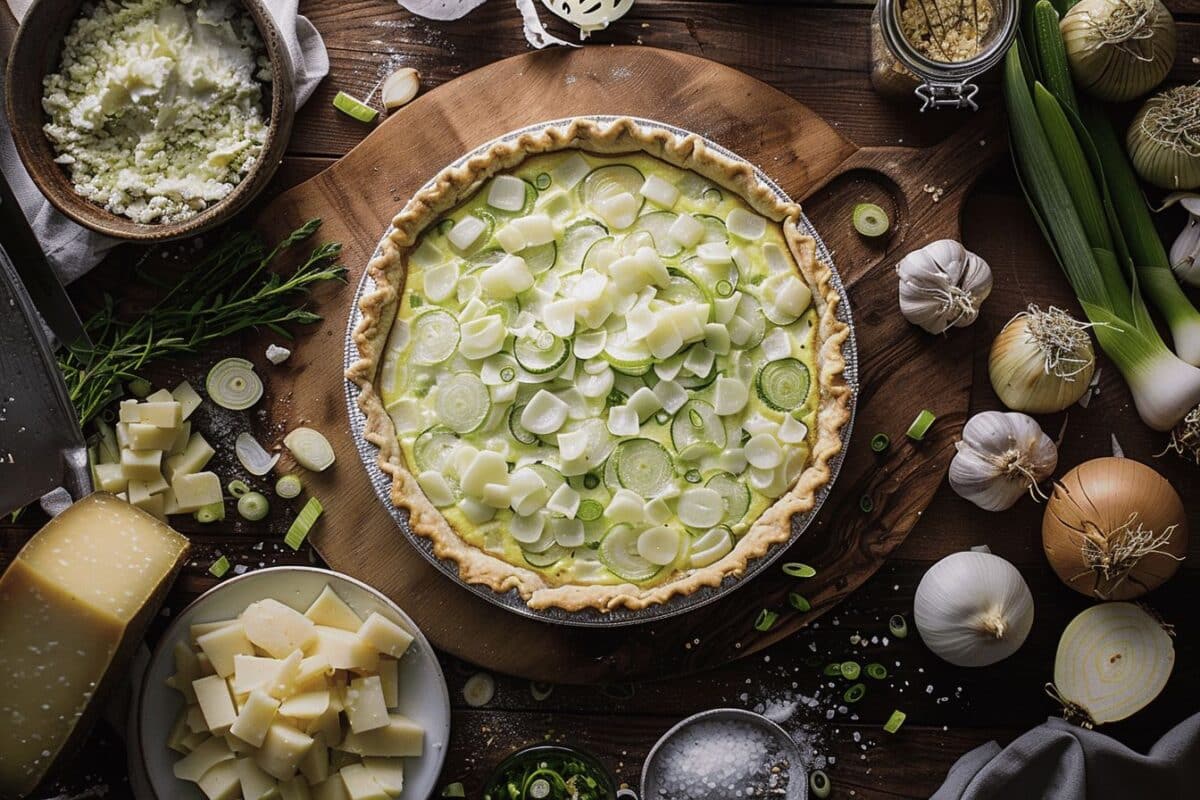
(310, 449)
(251, 455)
(233, 384)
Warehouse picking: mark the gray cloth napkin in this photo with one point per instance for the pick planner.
(1062, 761)
(73, 250)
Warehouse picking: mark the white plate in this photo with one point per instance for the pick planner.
(423, 694)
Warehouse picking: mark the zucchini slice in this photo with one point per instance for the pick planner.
(462, 402)
(644, 466)
(435, 337)
(784, 384)
(734, 492)
(618, 551)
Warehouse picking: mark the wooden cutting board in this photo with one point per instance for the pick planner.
(902, 369)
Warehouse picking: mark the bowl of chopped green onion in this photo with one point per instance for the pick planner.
(550, 772)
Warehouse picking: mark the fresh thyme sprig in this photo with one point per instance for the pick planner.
(229, 291)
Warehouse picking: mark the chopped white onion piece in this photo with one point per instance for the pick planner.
(659, 191)
(467, 288)
(503, 393)
(251, 455)
(733, 460)
(506, 193)
(570, 171)
(544, 413)
(472, 309)
(714, 253)
(777, 344)
(639, 322)
(671, 395)
(686, 231)
(618, 211)
(565, 501)
(464, 455)
(777, 260)
(792, 431)
(536, 229)
(658, 511)
(568, 532)
(787, 294)
(508, 277)
(756, 423)
(310, 449)
(645, 402)
(665, 339)
(527, 530)
(699, 360)
(595, 384)
(730, 396)
(701, 507)
(745, 225)
(466, 231)
(572, 444)
(560, 317)
(669, 369)
(623, 421)
(475, 511)
(497, 495)
(763, 451)
(511, 238)
(740, 331)
(724, 308)
(626, 506)
(716, 338)
(590, 286)
(441, 281)
(659, 545)
(589, 345)
(407, 415)
(577, 406)
(482, 337)
(436, 488)
(771, 482)
(426, 255)
(486, 467)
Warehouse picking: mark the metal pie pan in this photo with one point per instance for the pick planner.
(593, 618)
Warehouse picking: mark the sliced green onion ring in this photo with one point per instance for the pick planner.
(213, 512)
(479, 689)
(542, 181)
(454, 790)
(898, 626)
(232, 383)
(855, 693)
(237, 488)
(303, 523)
(818, 783)
(895, 721)
(876, 670)
(866, 504)
(590, 481)
(832, 670)
(352, 107)
(921, 425)
(766, 620)
(880, 442)
(310, 449)
(799, 602)
(797, 570)
(540, 691)
(289, 486)
(589, 510)
(253, 506)
(253, 456)
(870, 220)
(219, 567)
(692, 476)
(850, 670)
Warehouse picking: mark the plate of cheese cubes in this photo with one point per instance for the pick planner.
(293, 683)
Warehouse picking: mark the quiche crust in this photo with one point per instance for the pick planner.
(457, 183)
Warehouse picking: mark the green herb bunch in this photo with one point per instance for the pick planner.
(229, 291)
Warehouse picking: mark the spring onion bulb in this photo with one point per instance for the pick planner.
(1113, 659)
(1118, 49)
(1164, 139)
(870, 220)
(253, 506)
(1114, 529)
(310, 449)
(1185, 438)
(251, 455)
(233, 384)
(237, 488)
(213, 512)
(479, 689)
(1042, 361)
(288, 486)
(302, 525)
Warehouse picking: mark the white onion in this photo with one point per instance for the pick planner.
(251, 455)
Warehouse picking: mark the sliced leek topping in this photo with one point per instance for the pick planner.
(435, 336)
(232, 383)
(462, 402)
(783, 385)
(619, 552)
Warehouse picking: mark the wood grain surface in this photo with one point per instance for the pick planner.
(819, 55)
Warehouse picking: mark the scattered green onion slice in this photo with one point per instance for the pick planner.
(866, 504)
(219, 567)
(140, 387)
(288, 486)
(213, 512)
(799, 602)
(237, 488)
(880, 442)
(819, 783)
(310, 449)
(855, 693)
(921, 425)
(876, 670)
(232, 383)
(766, 620)
(540, 691)
(898, 626)
(589, 510)
(253, 506)
(303, 523)
(542, 181)
(870, 220)
(539, 789)
(850, 670)
(508, 374)
(724, 289)
(253, 456)
(692, 476)
(353, 107)
(895, 721)
(454, 790)
(832, 670)
(479, 689)
(797, 570)
(590, 481)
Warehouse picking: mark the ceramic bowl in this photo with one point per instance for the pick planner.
(423, 694)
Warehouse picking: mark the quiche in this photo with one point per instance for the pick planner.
(602, 365)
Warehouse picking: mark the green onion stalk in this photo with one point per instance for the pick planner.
(1069, 193)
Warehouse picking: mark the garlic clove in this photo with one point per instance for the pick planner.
(400, 87)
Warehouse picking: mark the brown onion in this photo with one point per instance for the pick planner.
(1114, 529)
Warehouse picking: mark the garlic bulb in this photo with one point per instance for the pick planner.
(1002, 456)
(1164, 139)
(942, 286)
(1042, 361)
(1185, 252)
(1118, 49)
(973, 609)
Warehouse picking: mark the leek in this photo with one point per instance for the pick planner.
(1164, 387)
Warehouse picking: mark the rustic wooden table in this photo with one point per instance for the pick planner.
(820, 54)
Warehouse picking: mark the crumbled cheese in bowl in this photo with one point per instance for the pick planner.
(156, 109)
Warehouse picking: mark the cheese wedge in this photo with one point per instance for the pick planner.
(74, 604)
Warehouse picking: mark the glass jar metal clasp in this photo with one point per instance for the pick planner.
(936, 94)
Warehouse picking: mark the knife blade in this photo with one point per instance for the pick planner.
(41, 447)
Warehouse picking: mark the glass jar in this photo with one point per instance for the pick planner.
(899, 68)
(545, 762)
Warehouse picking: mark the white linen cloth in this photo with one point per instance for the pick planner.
(71, 249)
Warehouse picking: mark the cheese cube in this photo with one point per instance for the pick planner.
(312, 672)
(333, 788)
(74, 605)
(204, 757)
(167, 414)
(196, 490)
(389, 678)
(256, 784)
(251, 672)
(155, 505)
(314, 764)
(212, 693)
(141, 465)
(365, 707)
(193, 458)
(237, 746)
(200, 628)
(387, 772)
(329, 725)
(400, 737)
(332, 611)
(283, 683)
(384, 635)
(110, 477)
(128, 411)
(182, 435)
(158, 396)
(255, 718)
(306, 705)
(282, 750)
(295, 789)
(277, 628)
(194, 717)
(187, 398)
(345, 650)
(148, 437)
(359, 783)
(221, 782)
(179, 732)
(194, 740)
(222, 645)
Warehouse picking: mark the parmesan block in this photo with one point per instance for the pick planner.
(141, 465)
(306, 705)
(74, 604)
(194, 491)
(167, 414)
(389, 679)
(312, 672)
(143, 436)
(215, 702)
(333, 612)
(251, 672)
(255, 718)
(400, 737)
(276, 628)
(314, 764)
(384, 635)
(201, 628)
